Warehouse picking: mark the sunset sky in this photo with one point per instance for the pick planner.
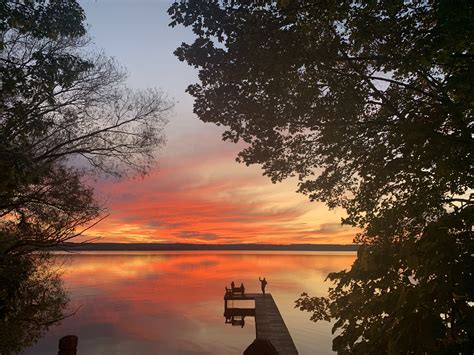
(197, 193)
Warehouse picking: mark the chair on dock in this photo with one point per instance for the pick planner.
(235, 291)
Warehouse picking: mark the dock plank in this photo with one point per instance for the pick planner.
(269, 323)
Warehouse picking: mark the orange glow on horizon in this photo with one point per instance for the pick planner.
(214, 200)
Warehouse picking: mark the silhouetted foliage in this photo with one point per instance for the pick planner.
(65, 113)
(369, 105)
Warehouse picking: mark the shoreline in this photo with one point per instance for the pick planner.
(201, 247)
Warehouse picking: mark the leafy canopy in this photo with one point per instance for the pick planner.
(65, 113)
(370, 106)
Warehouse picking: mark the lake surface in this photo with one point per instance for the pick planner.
(172, 302)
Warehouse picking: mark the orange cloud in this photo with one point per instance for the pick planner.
(214, 200)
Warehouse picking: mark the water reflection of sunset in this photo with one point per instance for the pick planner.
(171, 303)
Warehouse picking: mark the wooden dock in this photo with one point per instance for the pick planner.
(269, 323)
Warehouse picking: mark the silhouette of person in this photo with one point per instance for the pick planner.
(242, 288)
(263, 283)
(232, 285)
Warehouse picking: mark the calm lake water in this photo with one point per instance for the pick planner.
(172, 302)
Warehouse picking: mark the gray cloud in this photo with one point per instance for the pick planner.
(197, 235)
(328, 228)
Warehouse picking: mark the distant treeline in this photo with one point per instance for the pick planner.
(186, 246)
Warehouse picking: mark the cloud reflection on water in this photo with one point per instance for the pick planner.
(172, 303)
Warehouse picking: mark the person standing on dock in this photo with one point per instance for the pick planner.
(263, 283)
